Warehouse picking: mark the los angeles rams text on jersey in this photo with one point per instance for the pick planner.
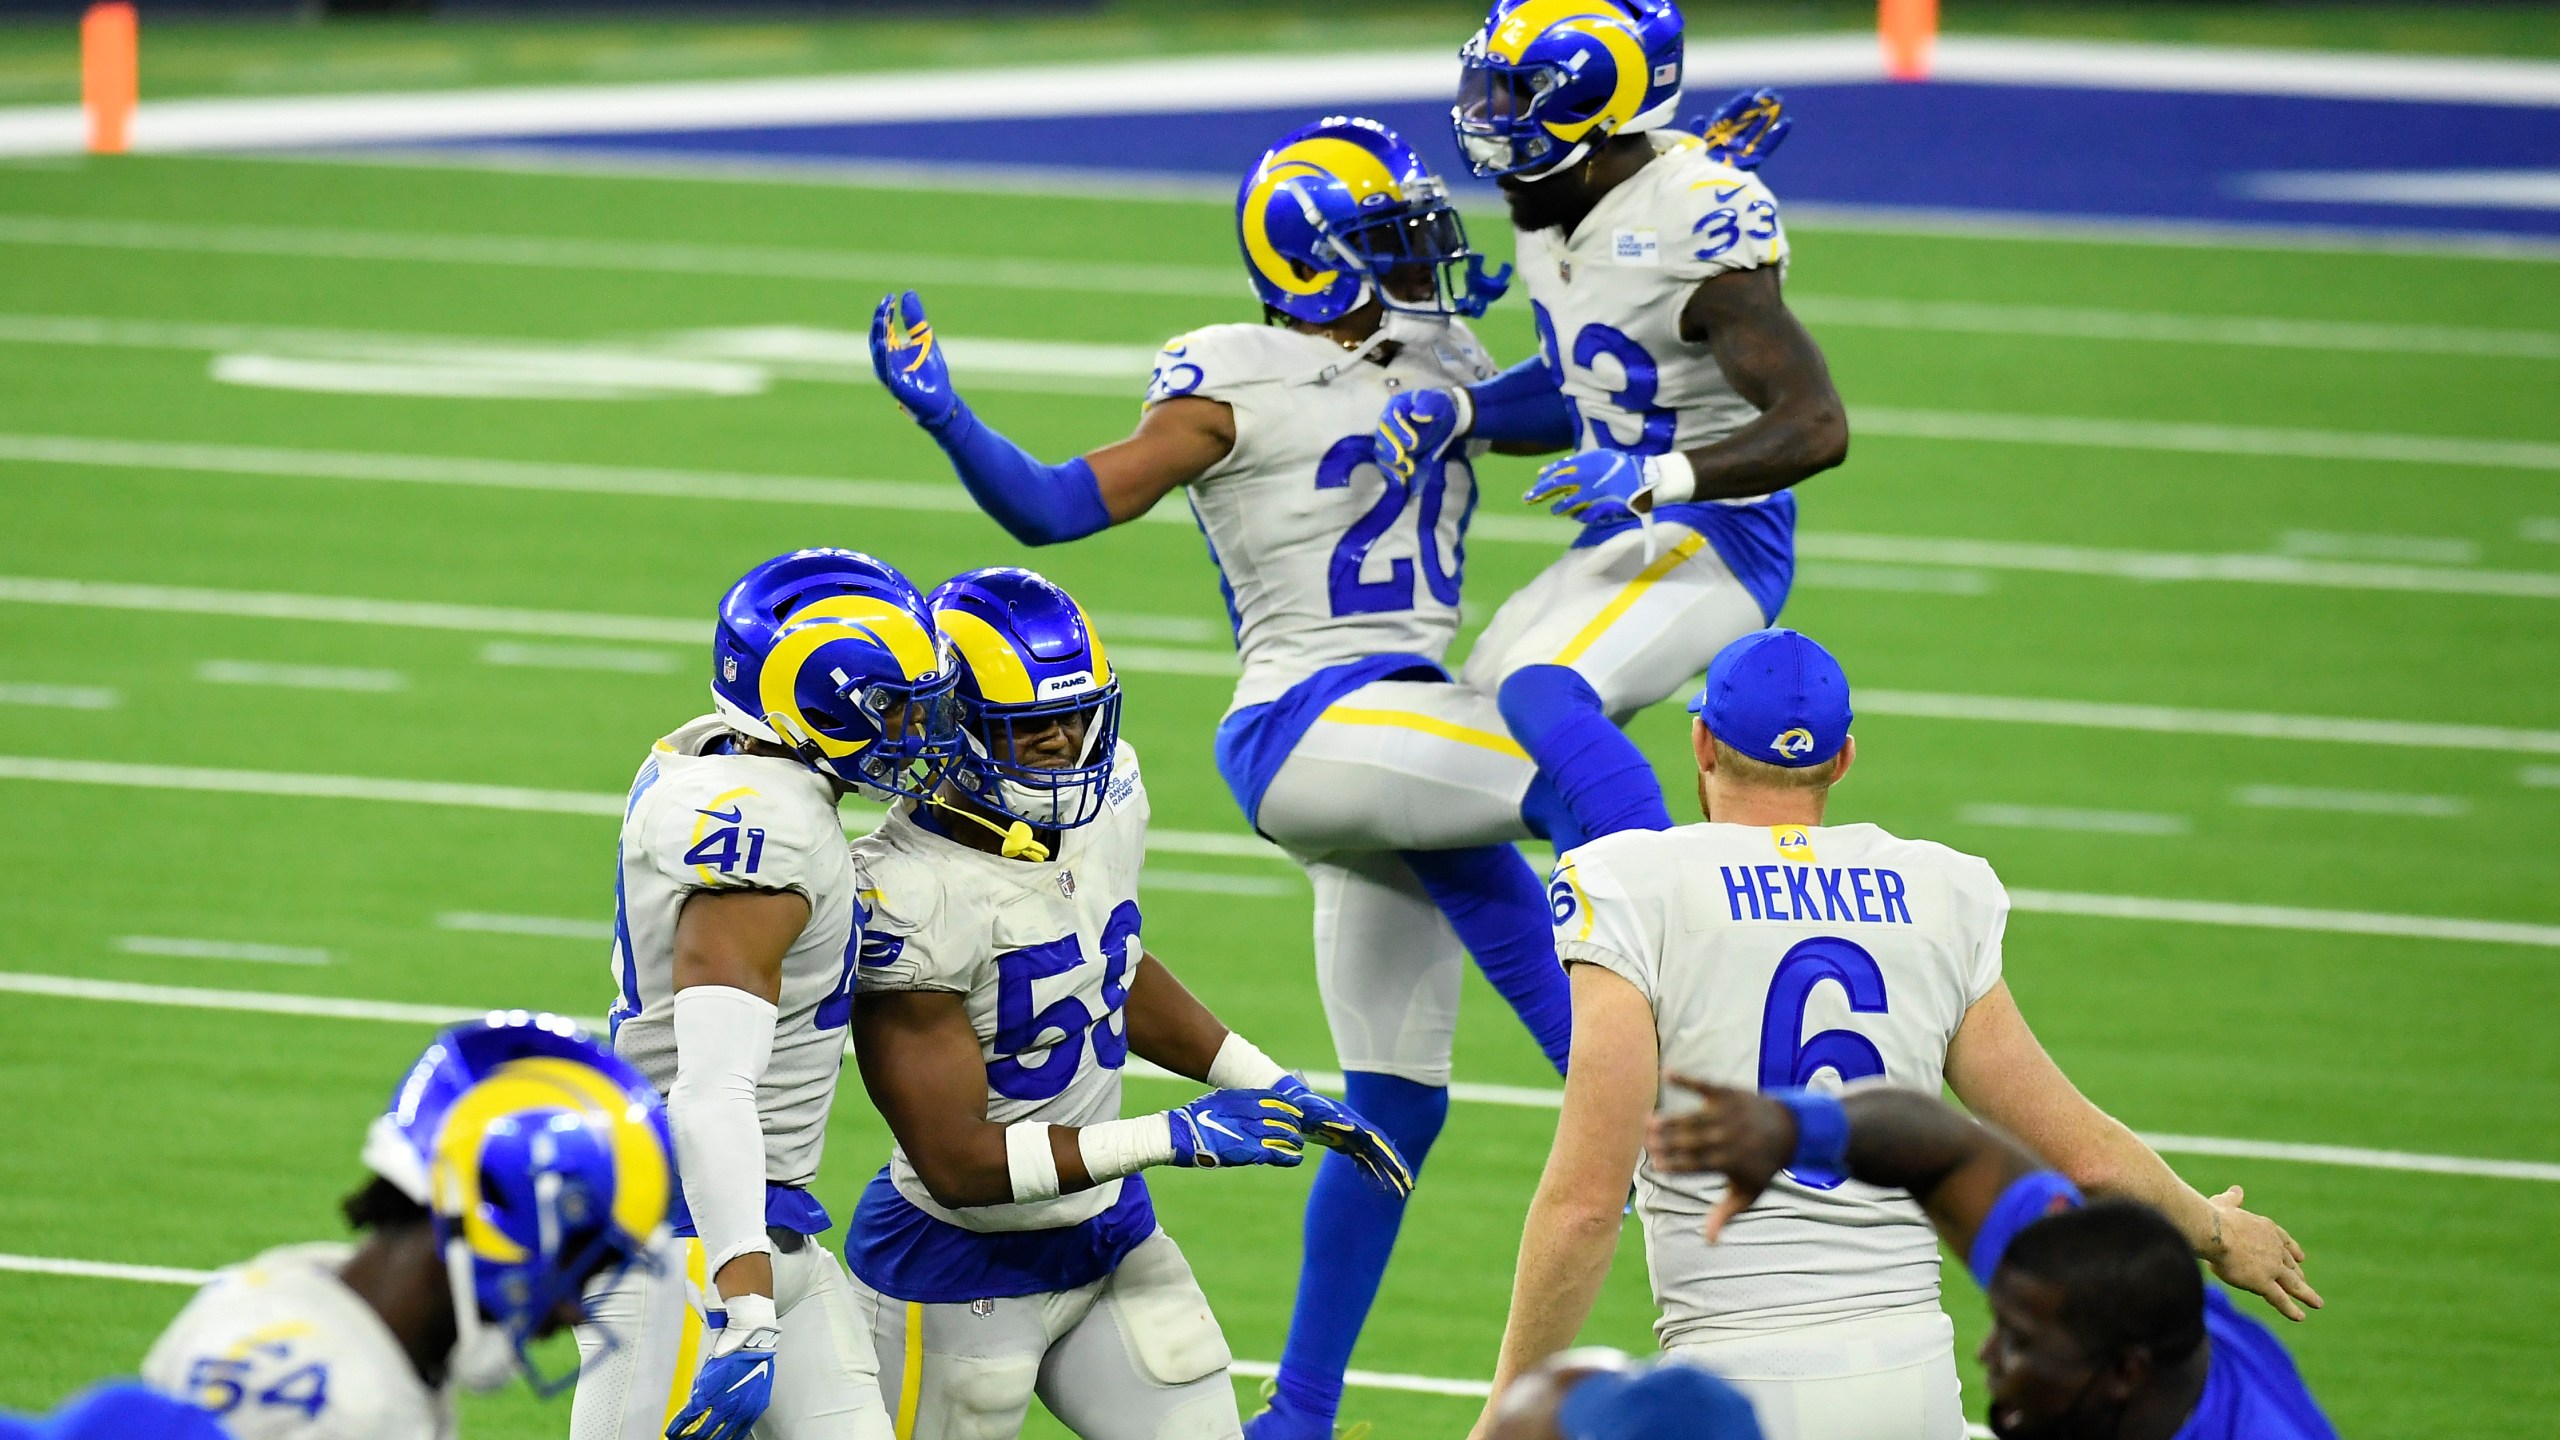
(279, 1348)
(1324, 559)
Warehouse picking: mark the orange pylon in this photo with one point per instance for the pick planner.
(109, 74)
(1909, 30)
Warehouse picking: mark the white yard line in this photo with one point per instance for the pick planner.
(2413, 549)
(182, 948)
(1212, 883)
(65, 987)
(2261, 331)
(951, 499)
(2283, 917)
(2171, 720)
(581, 657)
(2050, 817)
(2541, 776)
(553, 927)
(2194, 439)
(60, 697)
(300, 677)
(2357, 802)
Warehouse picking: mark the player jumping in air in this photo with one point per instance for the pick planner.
(1668, 362)
(1396, 790)
(519, 1164)
(736, 922)
(2100, 1327)
(1765, 948)
(1010, 1247)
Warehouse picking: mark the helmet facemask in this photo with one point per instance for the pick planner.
(1014, 765)
(1499, 118)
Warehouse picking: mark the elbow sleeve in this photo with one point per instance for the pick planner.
(724, 1039)
(1523, 403)
(1037, 504)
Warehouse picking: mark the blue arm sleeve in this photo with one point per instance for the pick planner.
(1523, 403)
(1037, 504)
(2028, 1199)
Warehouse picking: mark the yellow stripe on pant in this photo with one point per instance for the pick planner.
(911, 1377)
(1618, 604)
(1428, 725)
(688, 1348)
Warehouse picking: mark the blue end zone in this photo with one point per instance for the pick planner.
(1941, 147)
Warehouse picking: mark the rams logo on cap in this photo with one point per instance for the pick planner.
(1793, 744)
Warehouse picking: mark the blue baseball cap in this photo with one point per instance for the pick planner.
(1776, 697)
(1670, 1401)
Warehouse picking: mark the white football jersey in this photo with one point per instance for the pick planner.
(1043, 953)
(1323, 559)
(699, 822)
(278, 1348)
(1607, 299)
(1771, 957)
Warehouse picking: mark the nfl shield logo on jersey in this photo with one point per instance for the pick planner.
(1067, 884)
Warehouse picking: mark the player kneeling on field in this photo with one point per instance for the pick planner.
(2100, 1326)
(1010, 1248)
(520, 1163)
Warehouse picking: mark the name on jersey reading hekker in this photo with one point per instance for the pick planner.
(1856, 894)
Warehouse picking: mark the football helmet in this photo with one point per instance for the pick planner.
(830, 653)
(1546, 80)
(544, 1162)
(1342, 211)
(1028, 661)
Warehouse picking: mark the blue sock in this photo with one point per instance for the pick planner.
(1351, 1228)
(1495, 903)
(1596, 781)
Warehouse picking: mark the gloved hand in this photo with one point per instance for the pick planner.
(909, 363)
(1481, 288)
(1328, 1122)
(1237, 1127)
(1416, 429)
(735, 1383)
(1594, 487)
(1746, 129)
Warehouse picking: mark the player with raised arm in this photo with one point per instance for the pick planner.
(736, 924)
(1396, 790)
(519, 1164)
(1668, 362)
(1766, 948)
(2100, 1327)
(1010, 1247)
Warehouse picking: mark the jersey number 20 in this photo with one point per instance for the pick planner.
(1352, 595)
(1788, 1057)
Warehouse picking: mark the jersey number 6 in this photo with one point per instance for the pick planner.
(1788, 1058)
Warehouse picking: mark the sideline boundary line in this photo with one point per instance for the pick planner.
(1519, 1096)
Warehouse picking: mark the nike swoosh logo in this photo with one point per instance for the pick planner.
(730, 816)
(762, 1367)
(1724, 195)
(1210, 1122)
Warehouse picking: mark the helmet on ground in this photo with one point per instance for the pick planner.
(830, 653)
(544, 1162)
(1547, 80)
(1029, 662)
(1341, 212)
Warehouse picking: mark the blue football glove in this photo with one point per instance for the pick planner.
(734, 1385)
(1416, 429)
(1237, 1127)
(1747, 129)
(1593, 487)
(909, 363)
(1336, 1126)
(1481, 288)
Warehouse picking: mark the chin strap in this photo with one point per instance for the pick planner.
(1018, 844)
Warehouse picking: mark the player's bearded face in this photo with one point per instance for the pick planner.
(1544, 204)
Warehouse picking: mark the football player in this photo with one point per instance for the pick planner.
(1396, 790)
(1010, 1247)
(519, 1164)
(736, 923)
(1765, 948)
(1668, 362)
(2100, 1326)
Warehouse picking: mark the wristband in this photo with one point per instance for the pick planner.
(1822, 1134)
(1242, 1066)
(1116, 1148)
(1465, 404)
(1670, 479)
(1029, 1161)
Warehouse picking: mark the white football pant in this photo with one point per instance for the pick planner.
(1887, 1378)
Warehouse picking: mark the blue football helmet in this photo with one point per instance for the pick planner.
(1341, 212)
(545, 1164)
(830, 653)
(1546, 80)
(1028, 661)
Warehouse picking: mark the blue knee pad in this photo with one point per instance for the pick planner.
(1494, 901)
(1592, 780)
(1350, 1231)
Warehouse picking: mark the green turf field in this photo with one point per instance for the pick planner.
(187, 1137)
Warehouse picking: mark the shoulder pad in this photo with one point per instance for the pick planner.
(1219, 357)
